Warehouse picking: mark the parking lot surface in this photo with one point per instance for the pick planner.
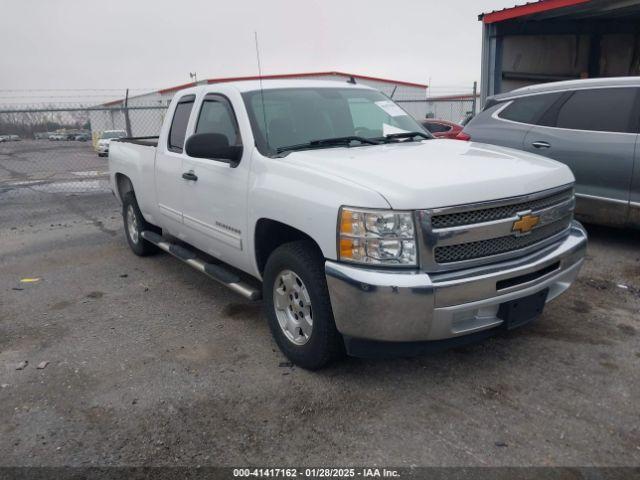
(151, 363)
(51, 167)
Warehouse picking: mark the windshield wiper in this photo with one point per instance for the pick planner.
(398, 136)
(327, 142)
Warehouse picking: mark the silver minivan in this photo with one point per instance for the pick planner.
(590, 125)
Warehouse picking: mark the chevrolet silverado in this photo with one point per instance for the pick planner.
(360, 233)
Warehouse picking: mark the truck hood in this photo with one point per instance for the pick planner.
(438, 173)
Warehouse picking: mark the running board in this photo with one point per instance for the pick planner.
(216, 272)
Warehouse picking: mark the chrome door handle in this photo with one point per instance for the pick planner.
(541, 144)
(190, 176)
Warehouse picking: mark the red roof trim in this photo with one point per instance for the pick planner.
(528, 9)
(377, 79)
(315, 74)
(178, 87)
(293, 75)
(113, 102)
(283, 76)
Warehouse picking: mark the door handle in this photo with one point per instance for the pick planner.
(541, 144)
(190, 176)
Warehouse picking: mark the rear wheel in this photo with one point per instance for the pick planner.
(298, 307)
(134, 225)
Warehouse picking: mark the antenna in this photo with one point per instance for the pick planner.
(264, 111)
(193, 76)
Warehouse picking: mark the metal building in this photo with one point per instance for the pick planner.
(453, 108)
(552, 40)
(145, 121)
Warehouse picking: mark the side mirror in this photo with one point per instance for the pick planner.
(214, 147)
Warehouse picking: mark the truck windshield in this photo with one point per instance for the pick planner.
(301, 116)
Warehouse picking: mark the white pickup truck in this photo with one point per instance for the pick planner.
(359, 231)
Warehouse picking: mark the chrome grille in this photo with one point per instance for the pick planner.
(496, 213)
(465, 236)
(494, 246)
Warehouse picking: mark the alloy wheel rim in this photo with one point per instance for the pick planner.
(293, 309)
(132, 224)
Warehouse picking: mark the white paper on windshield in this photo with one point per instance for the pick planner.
(389, 129)
(391, 108)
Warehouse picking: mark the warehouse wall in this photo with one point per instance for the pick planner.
(519, 53)
(620, 55)
(564, 56)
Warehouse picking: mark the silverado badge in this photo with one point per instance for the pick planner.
(525, 223)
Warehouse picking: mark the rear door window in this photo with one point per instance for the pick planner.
(529, 109)
(602, 109)
(179, 123)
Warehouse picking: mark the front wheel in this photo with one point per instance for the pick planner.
(298, 307)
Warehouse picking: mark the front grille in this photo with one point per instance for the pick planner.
(495, 246)
(497, 213)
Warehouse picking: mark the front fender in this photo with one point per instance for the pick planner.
(306, 200)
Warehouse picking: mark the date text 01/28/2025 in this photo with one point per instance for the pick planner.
(315, 473)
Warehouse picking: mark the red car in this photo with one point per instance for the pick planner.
(441, 128)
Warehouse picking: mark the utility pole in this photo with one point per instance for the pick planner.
(475, 92)
(127, 121)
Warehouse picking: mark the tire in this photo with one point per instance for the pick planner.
(311, 339)
(134, 225)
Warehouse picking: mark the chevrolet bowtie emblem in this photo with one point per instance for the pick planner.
(525, 223)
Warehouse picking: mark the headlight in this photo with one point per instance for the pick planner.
(379, 237)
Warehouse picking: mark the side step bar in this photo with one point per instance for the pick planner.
(216, 272)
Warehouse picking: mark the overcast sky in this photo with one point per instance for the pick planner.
(75, 44)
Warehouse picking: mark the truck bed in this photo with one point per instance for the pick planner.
(134, 157)
(146, 141)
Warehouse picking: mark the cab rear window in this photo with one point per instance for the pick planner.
(178, 130)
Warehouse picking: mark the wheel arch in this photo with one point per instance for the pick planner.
(269, 234)
(124, 185)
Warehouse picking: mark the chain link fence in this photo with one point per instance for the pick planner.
(452, 108)
(56, 149)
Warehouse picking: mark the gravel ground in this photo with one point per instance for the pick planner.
(150, 363)
(51, 167)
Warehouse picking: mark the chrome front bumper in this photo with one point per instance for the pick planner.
(409, 306)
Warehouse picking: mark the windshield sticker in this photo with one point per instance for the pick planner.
(389, 129)
(391, 108)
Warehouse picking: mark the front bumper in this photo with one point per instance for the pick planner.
(413, 306)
